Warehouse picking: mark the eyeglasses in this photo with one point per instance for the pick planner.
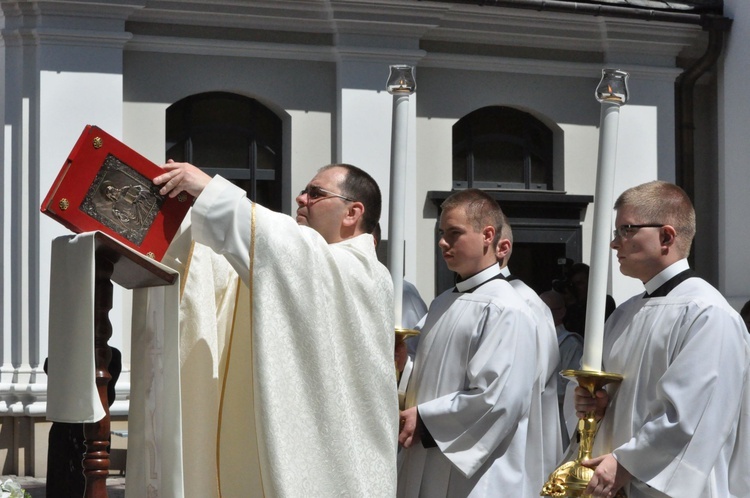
(625, 231)
(314, 193)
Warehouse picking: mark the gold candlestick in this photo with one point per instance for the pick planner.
(571, 478)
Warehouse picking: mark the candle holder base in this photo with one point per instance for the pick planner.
(571, 478)
(403, 334)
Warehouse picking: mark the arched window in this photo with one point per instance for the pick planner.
(233, 136)
(502, 147)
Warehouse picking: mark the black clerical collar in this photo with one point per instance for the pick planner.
(663, 276)
(670, 284)
(475, 281)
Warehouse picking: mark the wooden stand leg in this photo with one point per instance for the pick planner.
(97, 434)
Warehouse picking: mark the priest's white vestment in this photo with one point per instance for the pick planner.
(208, 306)
(544, 409)
(473, 380)
(679, 419)
(310, 389)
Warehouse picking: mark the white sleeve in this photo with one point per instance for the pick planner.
(221, 219)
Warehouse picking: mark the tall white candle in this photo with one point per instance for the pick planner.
(611, 99)
(401, 85)
(398, 200)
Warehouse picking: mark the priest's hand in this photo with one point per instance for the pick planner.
(585, 403)
(609, 476)
(408, 433)
(181, 177)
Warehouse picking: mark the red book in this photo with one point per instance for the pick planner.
(107, 186)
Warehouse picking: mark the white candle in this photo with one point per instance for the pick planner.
(603, 200)
(401, 85)
(612, 93)
(398, 200)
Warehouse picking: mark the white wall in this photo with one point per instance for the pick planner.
(734, 151)
(637, 154)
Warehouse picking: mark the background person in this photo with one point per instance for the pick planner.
(576, 295)
(544, 409)
(570, 345)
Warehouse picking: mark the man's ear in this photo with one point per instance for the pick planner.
(502, 249)
(667, 236)
(354, 214)
(488, 235)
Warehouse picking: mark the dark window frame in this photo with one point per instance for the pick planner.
(503, 127)
(250, 129)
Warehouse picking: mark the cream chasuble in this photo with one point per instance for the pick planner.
(207, 308)
(309, 405)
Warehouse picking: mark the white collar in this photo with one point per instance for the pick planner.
(505, 271)
(667, 273)
(478, 278)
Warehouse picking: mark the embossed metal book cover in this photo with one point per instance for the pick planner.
(107, 186)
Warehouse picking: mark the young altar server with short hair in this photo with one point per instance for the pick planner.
(465, 428)
(544, 420)
(677, 425)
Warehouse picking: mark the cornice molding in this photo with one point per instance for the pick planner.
(234, 48)
(539, 67)
(71, 38)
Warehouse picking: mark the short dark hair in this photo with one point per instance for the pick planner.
(481, 209)
(577, 268)
(665, 203)
(362, 187)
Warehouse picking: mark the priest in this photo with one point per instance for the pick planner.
(465, 429)
(308, 383)
(678, 423)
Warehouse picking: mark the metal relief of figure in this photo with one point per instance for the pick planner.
(123, 200)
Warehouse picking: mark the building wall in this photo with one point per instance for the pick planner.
(733, 164)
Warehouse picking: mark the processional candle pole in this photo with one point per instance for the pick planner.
(612, 93)
(571, 478)
(401, 84)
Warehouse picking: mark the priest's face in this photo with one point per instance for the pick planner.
(320, 206)
(464, 249)
(639, 252)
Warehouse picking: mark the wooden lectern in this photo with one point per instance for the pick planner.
(105, 192)
(113, 263)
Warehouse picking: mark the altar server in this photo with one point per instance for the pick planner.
(545, 410)
(309, 406)
(466, 426)
(677, 425)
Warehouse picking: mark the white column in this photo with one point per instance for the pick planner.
(65, 75)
